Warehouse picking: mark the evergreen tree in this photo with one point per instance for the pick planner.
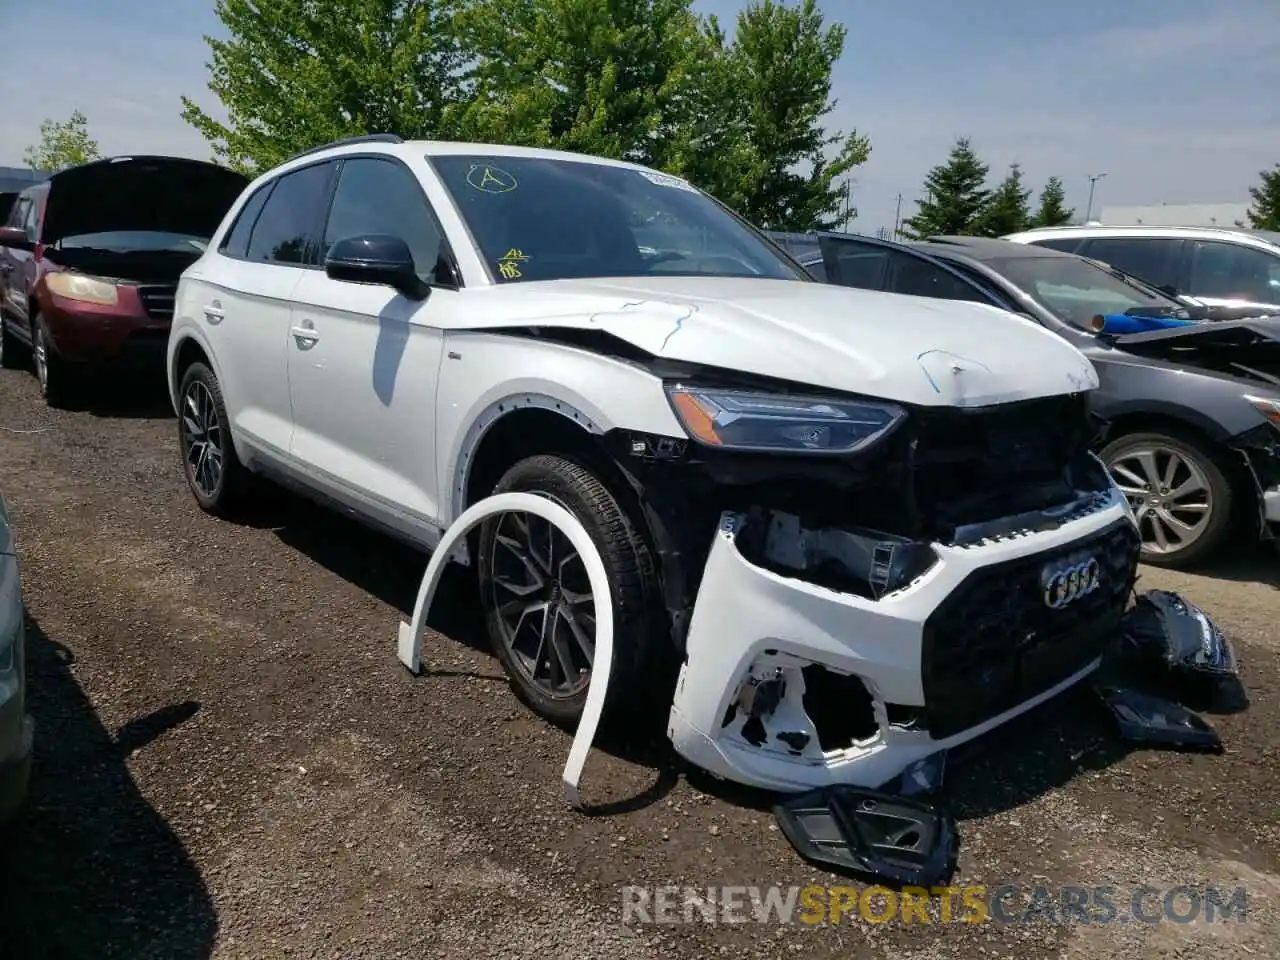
(1052, 212)
(955, 196)
(1265, 212)
(1007, 209)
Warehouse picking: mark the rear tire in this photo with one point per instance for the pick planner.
(12, 352)
(1180, 493)
(535, 659)
(214, 473)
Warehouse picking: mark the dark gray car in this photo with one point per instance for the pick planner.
(1194, 412)
(15, 725)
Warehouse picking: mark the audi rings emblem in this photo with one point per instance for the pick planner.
(1065, 584)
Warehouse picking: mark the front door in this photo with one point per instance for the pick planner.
(364, 359)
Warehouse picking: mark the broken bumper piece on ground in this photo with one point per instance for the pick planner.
(1164, 629)
(794, 685)
(872, 834)
(1142, 718)
(410, 636)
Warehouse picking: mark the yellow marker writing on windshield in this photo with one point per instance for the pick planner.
(490, 179)
(509, 263)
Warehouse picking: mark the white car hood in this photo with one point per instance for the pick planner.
(908, 349)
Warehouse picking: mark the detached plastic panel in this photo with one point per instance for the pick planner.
(874, 834)
(1146, 719)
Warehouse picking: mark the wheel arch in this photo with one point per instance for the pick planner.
(186, 349)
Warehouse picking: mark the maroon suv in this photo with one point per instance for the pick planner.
(90, 260)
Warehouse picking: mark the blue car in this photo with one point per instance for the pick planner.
(16, 727)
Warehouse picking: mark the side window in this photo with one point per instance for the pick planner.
(286, 229)
(1148, 258)
(1065, 244)
(853, 264)
(382, 197)
(1231, 271)
(236, 243)
(919, 278)
(18, 215)
(30, 216)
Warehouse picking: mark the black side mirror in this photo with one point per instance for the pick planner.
(377, 259)
(15, 237)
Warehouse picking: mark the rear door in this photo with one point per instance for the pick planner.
(240, 298)
(18, 266)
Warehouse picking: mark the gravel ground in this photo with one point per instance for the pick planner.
(231, 763)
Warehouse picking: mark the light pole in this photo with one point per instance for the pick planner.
(1093, 179)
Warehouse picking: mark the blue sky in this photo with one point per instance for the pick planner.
(1176, 100)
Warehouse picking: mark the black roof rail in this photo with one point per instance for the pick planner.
(351, 141)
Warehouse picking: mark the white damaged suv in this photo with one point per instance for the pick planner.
(862, 527)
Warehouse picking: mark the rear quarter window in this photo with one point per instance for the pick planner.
(236, 243)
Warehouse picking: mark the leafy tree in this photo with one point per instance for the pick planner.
(62, 145)
(296, 73)
(780, 70)
(1052, 211)
(1007, 208)
(955, 196)
(1264, 214)
(602, 77)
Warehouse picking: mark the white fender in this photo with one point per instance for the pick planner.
(410, 638)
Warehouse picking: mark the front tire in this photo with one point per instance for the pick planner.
(58, 379)
(1180, 493)
(214, 474)
(539, 609)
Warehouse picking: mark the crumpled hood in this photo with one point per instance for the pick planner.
(909, 349)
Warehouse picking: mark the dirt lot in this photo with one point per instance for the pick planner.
(231, 762)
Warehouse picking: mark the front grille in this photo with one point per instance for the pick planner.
(157, 300)
(976, 465)
(994, 643)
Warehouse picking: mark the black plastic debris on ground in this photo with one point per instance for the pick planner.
(918, 779)
(872, 834)
(1142, 718)
(1170, 647)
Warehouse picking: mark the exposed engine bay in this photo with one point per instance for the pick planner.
(1248, 349)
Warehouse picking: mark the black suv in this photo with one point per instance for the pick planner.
(1193, 411)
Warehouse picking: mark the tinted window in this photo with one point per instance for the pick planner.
(286, 230)
(856, 264)
(1153, 260)
(18, 215)
(919, 278)
(237, 242)
(382, 197)
(1232, 272)
(1065, 244)
(538, 218)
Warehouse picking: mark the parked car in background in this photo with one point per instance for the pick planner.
(90, 260)
(1235, 273)
(404, 329)
(1194, 412)
(16, 727)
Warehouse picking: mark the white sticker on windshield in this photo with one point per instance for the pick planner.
(662, 180)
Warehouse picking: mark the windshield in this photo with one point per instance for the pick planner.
(537, 218)
(1075, 290)
(135, 241)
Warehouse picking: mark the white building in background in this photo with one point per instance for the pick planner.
(1226, 215)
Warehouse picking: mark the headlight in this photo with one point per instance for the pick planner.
(1266, 406)
(771, 422)
(75, 286)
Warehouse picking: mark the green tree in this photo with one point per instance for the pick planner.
(1052, 211)
(1007, 209)
(602, 77)
(294, 74)
(779, 72)
(955, 196)
(1264, 214)
(62, 145)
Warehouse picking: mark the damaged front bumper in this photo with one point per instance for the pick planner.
(790, 685)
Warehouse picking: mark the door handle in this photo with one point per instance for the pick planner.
(304, 336)
(213, 312)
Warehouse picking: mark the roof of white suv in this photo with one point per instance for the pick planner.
(1250, 237)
